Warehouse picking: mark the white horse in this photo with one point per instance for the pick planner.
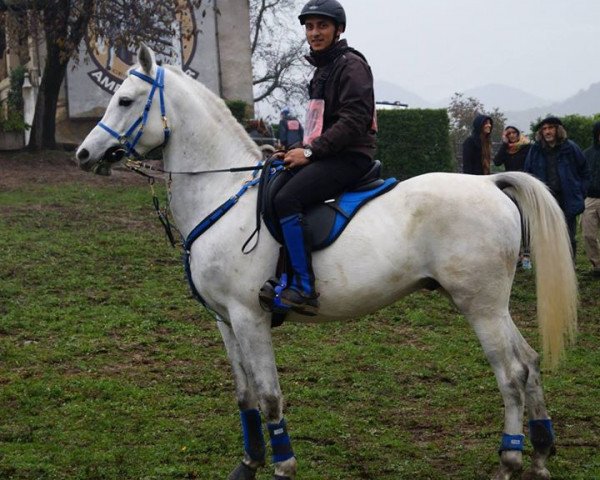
(458, 232)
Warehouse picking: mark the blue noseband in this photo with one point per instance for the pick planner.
(137, 129)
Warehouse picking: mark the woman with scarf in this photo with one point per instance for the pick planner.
(514, 150)
(512, 154)
(477, 148)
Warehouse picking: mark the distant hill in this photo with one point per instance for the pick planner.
(585, 102)
(520, 107)
(390, 92)
(501, 96)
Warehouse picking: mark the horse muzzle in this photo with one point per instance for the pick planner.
(101, 167)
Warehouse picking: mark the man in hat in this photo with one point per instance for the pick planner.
(590, 221)
(560, 164)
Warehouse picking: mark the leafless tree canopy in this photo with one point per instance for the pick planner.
(278, 46)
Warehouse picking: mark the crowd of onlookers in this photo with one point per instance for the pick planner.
(572, 176)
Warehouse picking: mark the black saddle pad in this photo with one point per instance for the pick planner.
(325, 222)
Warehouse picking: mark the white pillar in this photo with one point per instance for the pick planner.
(29, 99)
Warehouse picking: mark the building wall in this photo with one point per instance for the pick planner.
(233, 32)
(219, 57)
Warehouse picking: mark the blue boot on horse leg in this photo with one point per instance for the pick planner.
(541, 434)
(254, 446)
(300, 295)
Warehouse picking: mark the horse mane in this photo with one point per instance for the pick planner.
(219, 109)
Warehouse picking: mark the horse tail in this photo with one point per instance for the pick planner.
(556, 282)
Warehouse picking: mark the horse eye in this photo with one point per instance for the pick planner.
(125, 102)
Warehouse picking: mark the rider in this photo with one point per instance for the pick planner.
(338, 146)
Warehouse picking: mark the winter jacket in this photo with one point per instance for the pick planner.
(290, 131)
(572, 172)
(472, 150)
(512, 162)
(344, 80)
(592, 156)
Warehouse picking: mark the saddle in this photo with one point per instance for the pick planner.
(326, 222)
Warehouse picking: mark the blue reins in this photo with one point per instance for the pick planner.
(125, 138)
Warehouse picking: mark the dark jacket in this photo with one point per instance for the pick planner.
(344, 80)
(512, 162)
(290, 131)
(572, 172)
(472, 150)
(592, 156)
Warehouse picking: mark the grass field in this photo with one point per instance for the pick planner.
(108, 370)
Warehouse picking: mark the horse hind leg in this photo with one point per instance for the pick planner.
(500, 341)
(541, 432)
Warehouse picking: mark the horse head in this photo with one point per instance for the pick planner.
(134, 122)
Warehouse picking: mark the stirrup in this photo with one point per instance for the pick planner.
(269, 298)
(266, 294)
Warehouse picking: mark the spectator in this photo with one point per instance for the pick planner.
(512, 154)
(514, 150)
(477, 148)
(290, 129)
(590, 221)
(560, 164)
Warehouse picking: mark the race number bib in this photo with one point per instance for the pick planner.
(313, 126)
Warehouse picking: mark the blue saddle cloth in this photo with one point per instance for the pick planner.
(326, 222)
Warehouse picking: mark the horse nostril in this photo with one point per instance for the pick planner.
(83, 154)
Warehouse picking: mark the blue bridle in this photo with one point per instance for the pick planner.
(125, 138)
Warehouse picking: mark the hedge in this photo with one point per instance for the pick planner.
(239, 109)
(413, 142)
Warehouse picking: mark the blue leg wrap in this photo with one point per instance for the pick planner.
(254, 441)
(541, 433)
(280, 441)
(512, 442)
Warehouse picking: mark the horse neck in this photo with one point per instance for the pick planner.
(204, 137)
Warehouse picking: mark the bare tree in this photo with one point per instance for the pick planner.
(462, 111)
(277, 44)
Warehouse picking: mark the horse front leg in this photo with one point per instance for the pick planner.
(259, 387)
(254, 443)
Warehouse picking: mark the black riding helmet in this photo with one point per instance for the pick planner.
(325, 8)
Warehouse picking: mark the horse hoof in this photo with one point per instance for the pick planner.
(279, 477)
(540, 474)
(242, 472)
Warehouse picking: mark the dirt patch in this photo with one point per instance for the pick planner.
(52, 167)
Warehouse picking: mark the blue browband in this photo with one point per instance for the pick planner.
(125, 138)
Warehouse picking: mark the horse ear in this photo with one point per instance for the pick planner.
(146, 59)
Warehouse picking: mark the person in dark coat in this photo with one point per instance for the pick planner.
(338, 146)
(560, 164)
(590, 220)
(290, 130)
(514, 150)
(477, 148)
(512, 154)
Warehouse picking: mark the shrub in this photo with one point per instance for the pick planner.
(238, 109)
(13, 121)
(413, 142)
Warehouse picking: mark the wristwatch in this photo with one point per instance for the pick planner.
(307, 152)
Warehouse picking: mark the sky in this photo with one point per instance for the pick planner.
(437, 47)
